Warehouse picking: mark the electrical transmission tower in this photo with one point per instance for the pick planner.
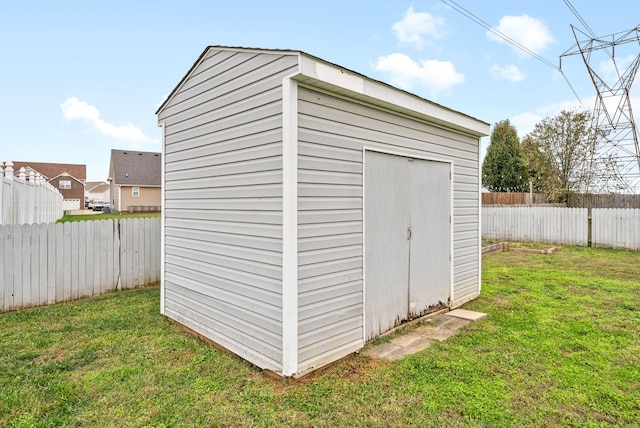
(612, 114)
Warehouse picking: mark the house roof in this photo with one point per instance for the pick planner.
(96, 186)
(132, 168)
(322, 74)
(53, 170)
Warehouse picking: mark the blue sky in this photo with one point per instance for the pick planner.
(80, 78)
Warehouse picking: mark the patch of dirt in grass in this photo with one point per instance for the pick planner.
(353, 368)
(356, 367)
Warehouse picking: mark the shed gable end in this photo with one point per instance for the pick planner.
(223, 201)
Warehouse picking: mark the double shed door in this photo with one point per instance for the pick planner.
(407, 239)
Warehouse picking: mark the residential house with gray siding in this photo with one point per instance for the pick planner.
(309, 209)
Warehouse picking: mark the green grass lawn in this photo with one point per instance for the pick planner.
(83, 217)
(560, 347)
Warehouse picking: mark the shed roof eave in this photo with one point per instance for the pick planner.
(324, 75)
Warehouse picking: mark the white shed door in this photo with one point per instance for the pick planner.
(407, 239)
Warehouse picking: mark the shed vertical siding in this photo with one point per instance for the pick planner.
(223, 202)
(332, 134)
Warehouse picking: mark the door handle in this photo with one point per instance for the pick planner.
(409, 233)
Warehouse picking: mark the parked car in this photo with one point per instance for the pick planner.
(97, 205)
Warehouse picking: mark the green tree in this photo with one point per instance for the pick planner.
(574, 150)
(540, 168)
(503, 169)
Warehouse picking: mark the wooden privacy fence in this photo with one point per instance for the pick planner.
(603, 201)
(27, 199)
(513, 198)
(574, 200)
(604, 227)
(42, 264)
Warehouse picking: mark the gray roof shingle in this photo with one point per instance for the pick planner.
(134, 168)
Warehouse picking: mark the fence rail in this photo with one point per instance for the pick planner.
(27, 199)
(609, 227)
(42, 264)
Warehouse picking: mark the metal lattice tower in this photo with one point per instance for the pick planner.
(612, 114)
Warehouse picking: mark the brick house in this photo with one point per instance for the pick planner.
(69, 179)
(134, 179)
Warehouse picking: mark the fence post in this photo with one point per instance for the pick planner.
(37, 199)
(29, 203)
(2, 205)
(11, 215)
(19, 195)
(589, 227)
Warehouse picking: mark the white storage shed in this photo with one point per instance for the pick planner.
(307, 208)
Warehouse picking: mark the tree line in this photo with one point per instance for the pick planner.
(563, 154)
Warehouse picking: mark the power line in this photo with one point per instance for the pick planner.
(591, 32)
(497, 32)
(511, 41)
(582, 21)
(619, 127)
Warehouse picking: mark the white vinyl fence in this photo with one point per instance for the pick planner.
(609, 227)
(567, 226)
(616, 228)
(42, 264)
(27, 199)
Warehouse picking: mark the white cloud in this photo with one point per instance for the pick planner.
(433, 75)
(607, 69)
(74, 109)
(525, 122)
(529, 32)
(508, 72)
(417, 28)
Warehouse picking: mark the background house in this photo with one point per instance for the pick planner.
(69, 179)
(97, 191)
(308, 208)
(134, 179)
